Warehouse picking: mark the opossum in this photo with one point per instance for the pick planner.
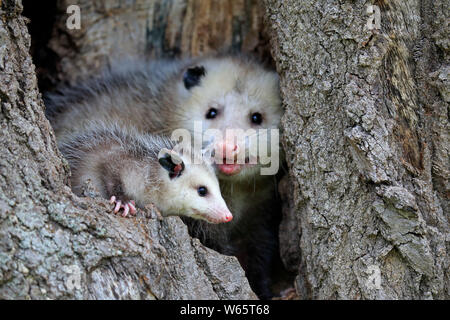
(131, 168)
(223, 93)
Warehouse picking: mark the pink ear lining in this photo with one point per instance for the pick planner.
(177, 168)
(176, 171)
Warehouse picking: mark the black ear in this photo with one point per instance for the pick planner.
(192, 76)
(171, 162)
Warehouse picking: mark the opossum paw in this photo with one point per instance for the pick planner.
(129, 207)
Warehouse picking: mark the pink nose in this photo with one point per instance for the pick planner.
(229, 149)
(227, 217)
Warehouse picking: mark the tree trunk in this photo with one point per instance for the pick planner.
(366, 135)
(56, 245)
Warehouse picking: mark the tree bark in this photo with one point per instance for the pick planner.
(366, 137)
(56, 245)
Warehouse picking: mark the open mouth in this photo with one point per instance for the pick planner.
(234, 168)
(229, 169)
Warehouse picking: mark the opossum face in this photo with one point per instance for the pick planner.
(231, 94)
(191, 190)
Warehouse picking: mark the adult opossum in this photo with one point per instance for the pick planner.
(220, 93)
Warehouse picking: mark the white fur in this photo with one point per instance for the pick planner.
(179, 196)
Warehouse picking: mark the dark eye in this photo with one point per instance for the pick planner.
(212, 113)
(202, 191)
(256, 118)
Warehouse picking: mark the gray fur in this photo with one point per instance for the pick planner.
(132, 93)
(113, 148)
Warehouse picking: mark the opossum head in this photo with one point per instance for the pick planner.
(225, 94)
(190, 188)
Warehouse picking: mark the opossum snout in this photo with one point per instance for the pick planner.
(229, 150)
(227, 157)
(219, 212)
(215, 215)
(227, 216)
(223, 215)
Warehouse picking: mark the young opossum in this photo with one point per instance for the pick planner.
(221, 92)
(131, 168)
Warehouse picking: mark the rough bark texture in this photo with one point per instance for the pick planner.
(366, 137)
(56, 245)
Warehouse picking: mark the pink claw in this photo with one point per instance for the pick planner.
(118, 206)
(128, 207)
(132, 207)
